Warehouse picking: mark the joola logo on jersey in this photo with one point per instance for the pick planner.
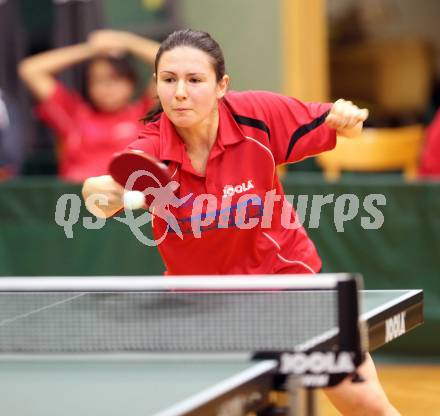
(230, 190)
(395, 326)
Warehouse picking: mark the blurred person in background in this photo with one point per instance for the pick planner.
(430, 160)
(11, 149)
(92, 128)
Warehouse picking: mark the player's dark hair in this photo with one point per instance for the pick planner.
(122, 65)
(194, 39)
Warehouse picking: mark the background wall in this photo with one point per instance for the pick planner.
(249, 33)
(397, 18)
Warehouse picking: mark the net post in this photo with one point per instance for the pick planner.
(350, 338)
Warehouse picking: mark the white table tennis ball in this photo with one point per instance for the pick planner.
(134, 200)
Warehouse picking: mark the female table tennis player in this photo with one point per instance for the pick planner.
(228, 144)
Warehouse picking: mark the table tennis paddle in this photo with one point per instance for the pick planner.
(136, 171)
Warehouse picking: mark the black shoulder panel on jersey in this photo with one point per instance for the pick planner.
(302, 130)
(252, 122)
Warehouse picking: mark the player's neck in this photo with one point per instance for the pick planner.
(201, 137)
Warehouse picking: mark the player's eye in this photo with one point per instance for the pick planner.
(168, 80)
(195, 80)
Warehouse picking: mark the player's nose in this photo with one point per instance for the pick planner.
(181, 90)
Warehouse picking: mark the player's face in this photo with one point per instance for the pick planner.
(187, 86)
(108, 91)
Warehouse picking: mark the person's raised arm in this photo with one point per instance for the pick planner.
(38, 71)
(113, 42)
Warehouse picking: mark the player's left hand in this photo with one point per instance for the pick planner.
(345, 116)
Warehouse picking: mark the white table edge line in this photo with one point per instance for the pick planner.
(365, 316)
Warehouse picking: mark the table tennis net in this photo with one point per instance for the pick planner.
(64, 322)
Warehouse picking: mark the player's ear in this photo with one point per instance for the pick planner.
(222, 86)
(155, 77)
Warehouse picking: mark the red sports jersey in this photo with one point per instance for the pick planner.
(236, 229)
(430, 160)
(88, 138)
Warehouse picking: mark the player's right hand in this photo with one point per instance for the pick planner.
(103, 196)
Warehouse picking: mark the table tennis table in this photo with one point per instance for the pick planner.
(171, 385)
